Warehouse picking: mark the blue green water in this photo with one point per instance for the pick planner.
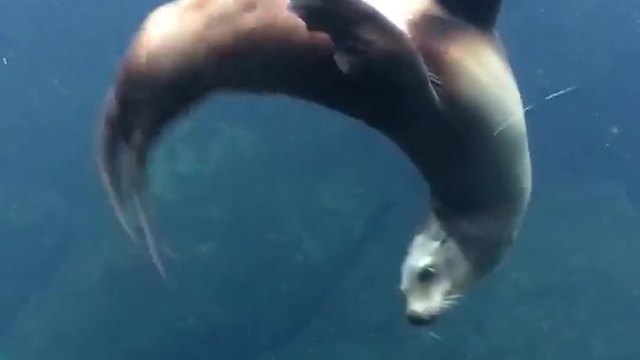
(284, 245)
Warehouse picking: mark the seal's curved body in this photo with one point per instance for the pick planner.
(431, 76)
(471, 146)
(189, 49)
(480, 192)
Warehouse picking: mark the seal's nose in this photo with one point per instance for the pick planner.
(417, 320)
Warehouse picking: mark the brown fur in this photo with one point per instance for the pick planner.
(190, 48)
(470, 145)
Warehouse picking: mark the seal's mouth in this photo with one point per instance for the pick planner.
(426, 311)
(423, 315)
(419, 320)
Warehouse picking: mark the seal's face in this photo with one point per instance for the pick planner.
(434, 275)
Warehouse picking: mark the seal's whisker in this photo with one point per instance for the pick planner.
(446, 304)
(449, 301)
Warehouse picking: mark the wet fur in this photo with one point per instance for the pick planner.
(188, 50)
(440, 87)
(472, 150)
(481, 192)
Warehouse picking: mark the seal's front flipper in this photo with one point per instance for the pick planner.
(358, 30)
(344, 61)
(369, 45)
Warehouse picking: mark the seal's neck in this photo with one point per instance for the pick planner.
(482, 238)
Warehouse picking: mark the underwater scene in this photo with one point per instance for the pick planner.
(276, 227)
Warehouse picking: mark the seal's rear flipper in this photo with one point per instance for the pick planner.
(122, 161)
(140, 152)
(112, 159)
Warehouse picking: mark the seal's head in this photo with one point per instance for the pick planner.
(435, 273)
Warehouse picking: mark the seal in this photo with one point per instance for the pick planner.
(472, 150)
(187, 50)
(431, 75)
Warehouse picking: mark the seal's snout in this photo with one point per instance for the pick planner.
(418, 320)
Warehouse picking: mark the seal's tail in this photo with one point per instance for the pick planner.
(122, 166)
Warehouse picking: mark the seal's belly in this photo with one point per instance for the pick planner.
(483, 99)
(477, 79)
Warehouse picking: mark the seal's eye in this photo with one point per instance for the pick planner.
(426, 274)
